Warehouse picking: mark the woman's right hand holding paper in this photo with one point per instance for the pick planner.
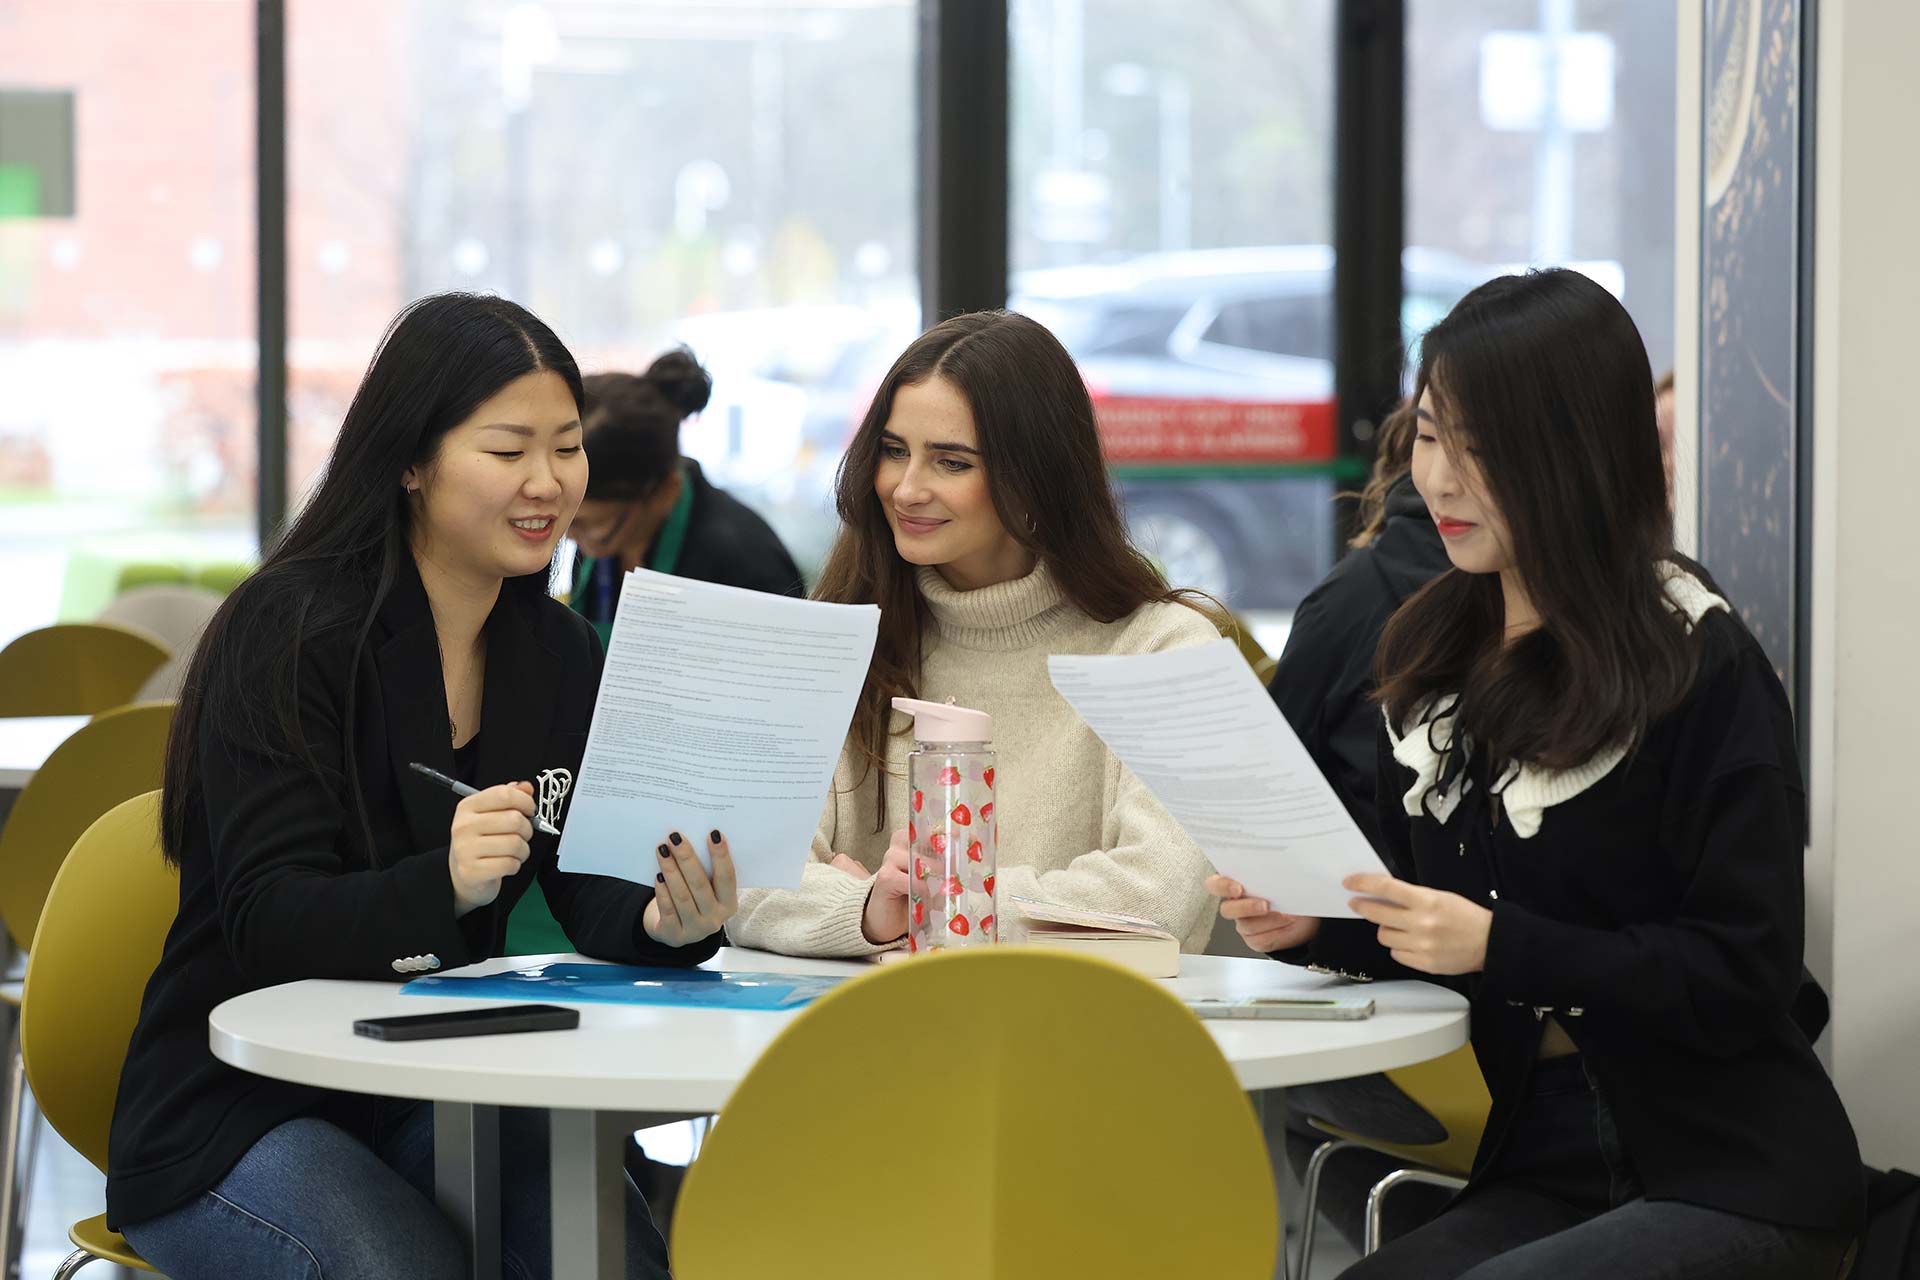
(1258, 924)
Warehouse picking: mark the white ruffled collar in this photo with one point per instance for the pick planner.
(1526, 791)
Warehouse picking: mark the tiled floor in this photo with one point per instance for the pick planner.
(65, 1190)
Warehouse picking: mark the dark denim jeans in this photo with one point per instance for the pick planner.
(349, 1196)
(1562, 1200)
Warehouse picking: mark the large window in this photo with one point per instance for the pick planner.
(1540, 132)
(1171, 222)
(127, 345)
(737, 177)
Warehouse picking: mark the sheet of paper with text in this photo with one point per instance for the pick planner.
(723, 709)
(1197, 729)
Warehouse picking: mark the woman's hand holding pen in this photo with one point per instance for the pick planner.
(1426, 929)
(687, 904)
(491, 829)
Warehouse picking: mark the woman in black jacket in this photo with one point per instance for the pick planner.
(649, 507)
(1590, 792)
(402, 618)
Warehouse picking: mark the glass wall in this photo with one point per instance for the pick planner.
(1540, 132)
(739, 178)
(1171, 221)
(127, 347)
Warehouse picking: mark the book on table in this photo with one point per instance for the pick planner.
(1139, 944)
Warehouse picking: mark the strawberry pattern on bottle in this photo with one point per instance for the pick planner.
(950, 828)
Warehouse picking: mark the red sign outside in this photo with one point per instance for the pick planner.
(1140, 430)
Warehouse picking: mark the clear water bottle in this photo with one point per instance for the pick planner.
(951, 827)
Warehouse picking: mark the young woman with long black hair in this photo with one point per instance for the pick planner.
(977, 512)
(402, 617)
(1589, 779)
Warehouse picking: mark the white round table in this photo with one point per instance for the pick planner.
(630, 1066)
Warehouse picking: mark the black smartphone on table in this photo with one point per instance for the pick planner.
(493, 1020)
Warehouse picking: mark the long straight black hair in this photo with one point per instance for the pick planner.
(334, 566)
(1546, 378)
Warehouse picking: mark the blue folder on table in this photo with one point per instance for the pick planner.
(634, 984)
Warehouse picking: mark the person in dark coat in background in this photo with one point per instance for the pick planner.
(1323, 685)
(649, 507)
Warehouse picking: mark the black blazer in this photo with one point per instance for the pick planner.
(277, 882)
(1659, 916)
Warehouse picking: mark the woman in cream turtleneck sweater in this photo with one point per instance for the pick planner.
(976, 511)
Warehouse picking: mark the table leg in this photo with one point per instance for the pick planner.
(590, 1193)
(466, 1179)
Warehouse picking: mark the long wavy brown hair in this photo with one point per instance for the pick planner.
(1545, 377)
(1047, 475)
(1392, 459)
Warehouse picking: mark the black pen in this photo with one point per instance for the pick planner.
(460, 788)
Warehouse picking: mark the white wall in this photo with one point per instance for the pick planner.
(1865, 697)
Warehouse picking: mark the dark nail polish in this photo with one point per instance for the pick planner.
(675, 838)
(714, 836)
(664, 853)
(660, 878)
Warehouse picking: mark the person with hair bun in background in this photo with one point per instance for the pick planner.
(649, 507)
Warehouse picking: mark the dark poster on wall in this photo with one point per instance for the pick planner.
(1751, 345)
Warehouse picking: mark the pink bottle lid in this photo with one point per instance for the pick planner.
(945, 722)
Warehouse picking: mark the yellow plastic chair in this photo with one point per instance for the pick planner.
(1453, 1092)
(76, 669)
(105, 921)
(150, 573)
(221, 578)
(1251, 649)
(112, 757)
(107, 760)
(1035, 1115)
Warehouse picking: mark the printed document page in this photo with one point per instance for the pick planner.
(1197, 729)
(719, 708)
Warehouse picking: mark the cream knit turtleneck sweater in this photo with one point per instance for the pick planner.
(1075, 825)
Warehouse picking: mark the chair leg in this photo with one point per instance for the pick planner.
(75, 1260)
(23, 1197)
(10, 1152)
(1309, 1215)
(1377, 1198)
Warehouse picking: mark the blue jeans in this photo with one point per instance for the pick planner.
(1562, 1200)
(348, 1195)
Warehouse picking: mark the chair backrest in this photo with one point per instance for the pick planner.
(1251, 649)
(1454, 1092)
(177, 614)
(76, 669)
(147, 573)
(100, 938)
(110, 758)
(222, 576)
(1004, 1112)
(1449, 1088)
